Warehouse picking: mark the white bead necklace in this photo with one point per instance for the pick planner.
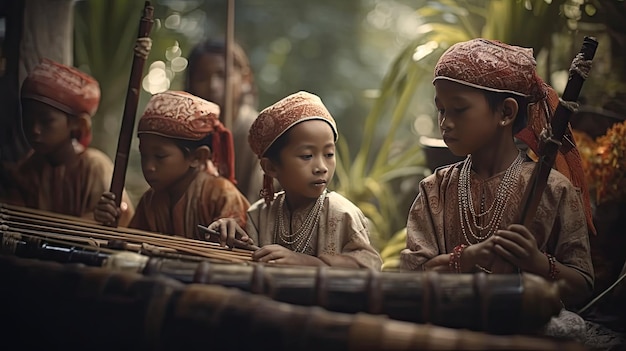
(300, 239)
(466, 204)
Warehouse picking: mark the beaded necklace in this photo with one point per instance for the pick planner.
(300, 239)
(466, 204)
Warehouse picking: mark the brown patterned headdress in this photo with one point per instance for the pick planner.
(495, 66)
(65, 88)
(183, 116)
(277, 119)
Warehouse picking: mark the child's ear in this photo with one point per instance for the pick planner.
(80, 125)
(200, 156)
(509, 111)
(269, 167)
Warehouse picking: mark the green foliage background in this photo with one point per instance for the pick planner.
(370, 61)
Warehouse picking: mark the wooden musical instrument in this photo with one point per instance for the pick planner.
(501, 304)
(53, 306)
(130, 106)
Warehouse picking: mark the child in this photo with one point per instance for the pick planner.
(305, 224)
(206, 79)
(61, 173)
(178, 134)
(462, 219)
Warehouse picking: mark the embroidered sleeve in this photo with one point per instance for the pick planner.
(421, 242)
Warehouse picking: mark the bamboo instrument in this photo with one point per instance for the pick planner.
(501, 304)
(54, 306)
(130, 108)
(27, 229)
(498, 303)
(550, 144)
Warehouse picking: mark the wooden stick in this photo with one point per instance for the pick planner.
(130, 109)
(228, 108)
(238, 243)
(548, 148)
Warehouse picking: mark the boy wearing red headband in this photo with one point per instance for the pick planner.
(180, 139)
(462, 220)
(62, 174)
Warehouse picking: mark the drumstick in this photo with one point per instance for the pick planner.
(238, 243)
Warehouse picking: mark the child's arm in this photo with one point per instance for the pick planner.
(471, 257)
(518, 246)
(275, 253)
(421, 241)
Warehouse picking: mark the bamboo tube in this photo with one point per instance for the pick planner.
(497, 303)
(55, 306)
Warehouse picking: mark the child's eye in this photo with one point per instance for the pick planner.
(160, 157)
(47, 121)
(306, 157)
(330, 155)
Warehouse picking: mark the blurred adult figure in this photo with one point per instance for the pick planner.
(206, 78)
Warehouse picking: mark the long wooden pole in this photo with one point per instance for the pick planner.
(548, 148)
(228, 108)
(130, 109)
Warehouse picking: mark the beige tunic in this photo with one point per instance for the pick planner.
(560, 228)
(342, 229)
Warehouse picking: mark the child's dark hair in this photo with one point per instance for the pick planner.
(273, 152)
(188, 146)
(495, 99)
(240, 61)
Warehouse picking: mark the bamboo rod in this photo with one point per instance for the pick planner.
(51, 225)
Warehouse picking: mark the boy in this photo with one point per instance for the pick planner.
(62, 174)
(179, 134)
(305, 224)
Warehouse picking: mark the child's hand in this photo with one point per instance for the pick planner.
(281, 255)
(517, 245)
(480, 254)
(229, 230)
(106, 212)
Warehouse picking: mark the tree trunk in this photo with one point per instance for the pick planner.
(33, 29)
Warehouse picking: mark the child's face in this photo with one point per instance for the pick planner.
(207, 79)
(307, 162)
(466, 121)
(162, 161)
(45, 127)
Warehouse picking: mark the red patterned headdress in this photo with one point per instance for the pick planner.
(495, 66)
(65, 88)
(277, 119)
(180, 115)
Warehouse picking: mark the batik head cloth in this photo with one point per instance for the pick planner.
(495, 66)
(183, 116)
(65, 88)
(278, 118)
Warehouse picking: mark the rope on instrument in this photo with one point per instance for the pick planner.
(570, 105)
(9, 241)
(581, 66)
(142, 47)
